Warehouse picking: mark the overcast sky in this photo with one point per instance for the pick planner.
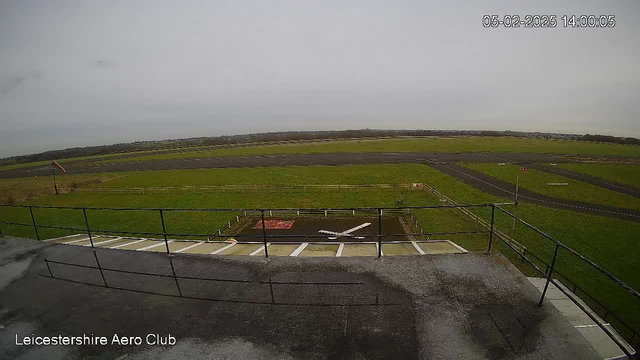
(76, 73)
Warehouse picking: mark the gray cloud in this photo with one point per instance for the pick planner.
(225, 67)
(102, 64)
(37, 74)
(9, 83)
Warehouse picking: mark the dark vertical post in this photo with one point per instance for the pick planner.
(93, 249)
(549, 274)
(379, 233)
(48, 267)
(86, 223)
(164, 233)
(493, 217)
(33, 220)
(264, 235)
(55, 184)
(175, 278)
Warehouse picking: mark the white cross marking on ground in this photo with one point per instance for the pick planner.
(345, 233)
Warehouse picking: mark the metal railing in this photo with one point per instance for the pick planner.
(365, 301)
(377, 212)
(379, 238)
(550, 270)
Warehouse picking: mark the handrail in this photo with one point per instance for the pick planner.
(575, 253)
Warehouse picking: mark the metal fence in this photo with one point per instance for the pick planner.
(377, 212)
(629, 333)
(251, 187)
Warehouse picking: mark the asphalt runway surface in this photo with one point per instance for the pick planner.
(407, 307)
(590, 179)
(494, 186)
(288, 160)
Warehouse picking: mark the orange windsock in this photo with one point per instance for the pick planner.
(56, 165)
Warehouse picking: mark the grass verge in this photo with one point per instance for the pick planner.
(537, 181)
(626, 174)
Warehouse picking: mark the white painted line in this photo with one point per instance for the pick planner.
(75, 241)
(297, 251)
(160, 243)
(62, 237)
(222, 249)
(105, 242)
(340, 248)
(417, 248)
(259, 250)
(127, 244)
(457, 246)
(189, 247)
(591, 325)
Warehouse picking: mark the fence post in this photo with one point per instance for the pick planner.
(33, 220)
(379, 233)
(549, 274)
(493, 216)
(164, 233)
(264, 235)
(93, 249)
(86, 223)
(175, 278)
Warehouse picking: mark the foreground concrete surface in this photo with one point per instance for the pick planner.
(452, 306)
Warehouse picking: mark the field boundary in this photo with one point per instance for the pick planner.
(254, 187)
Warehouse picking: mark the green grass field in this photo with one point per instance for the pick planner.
(602, 240)
(626, 174)
(537, 181)
(458, 144)
(422, 144)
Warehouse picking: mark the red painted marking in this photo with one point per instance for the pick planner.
(275, 224)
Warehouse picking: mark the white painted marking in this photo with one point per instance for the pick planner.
(75, 241)
(127, 244)
(457, 246)
(340, 248)
(189, 247)
(105, 242)
(160, 243)
(261, 248)
(417, 248)
(297, 251)
(591, 325)
(345, 233)
(222, 249)
(62, 237)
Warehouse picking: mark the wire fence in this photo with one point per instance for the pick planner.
(252, 187)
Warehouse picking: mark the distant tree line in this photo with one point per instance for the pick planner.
(611, 139)
(292, 136)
